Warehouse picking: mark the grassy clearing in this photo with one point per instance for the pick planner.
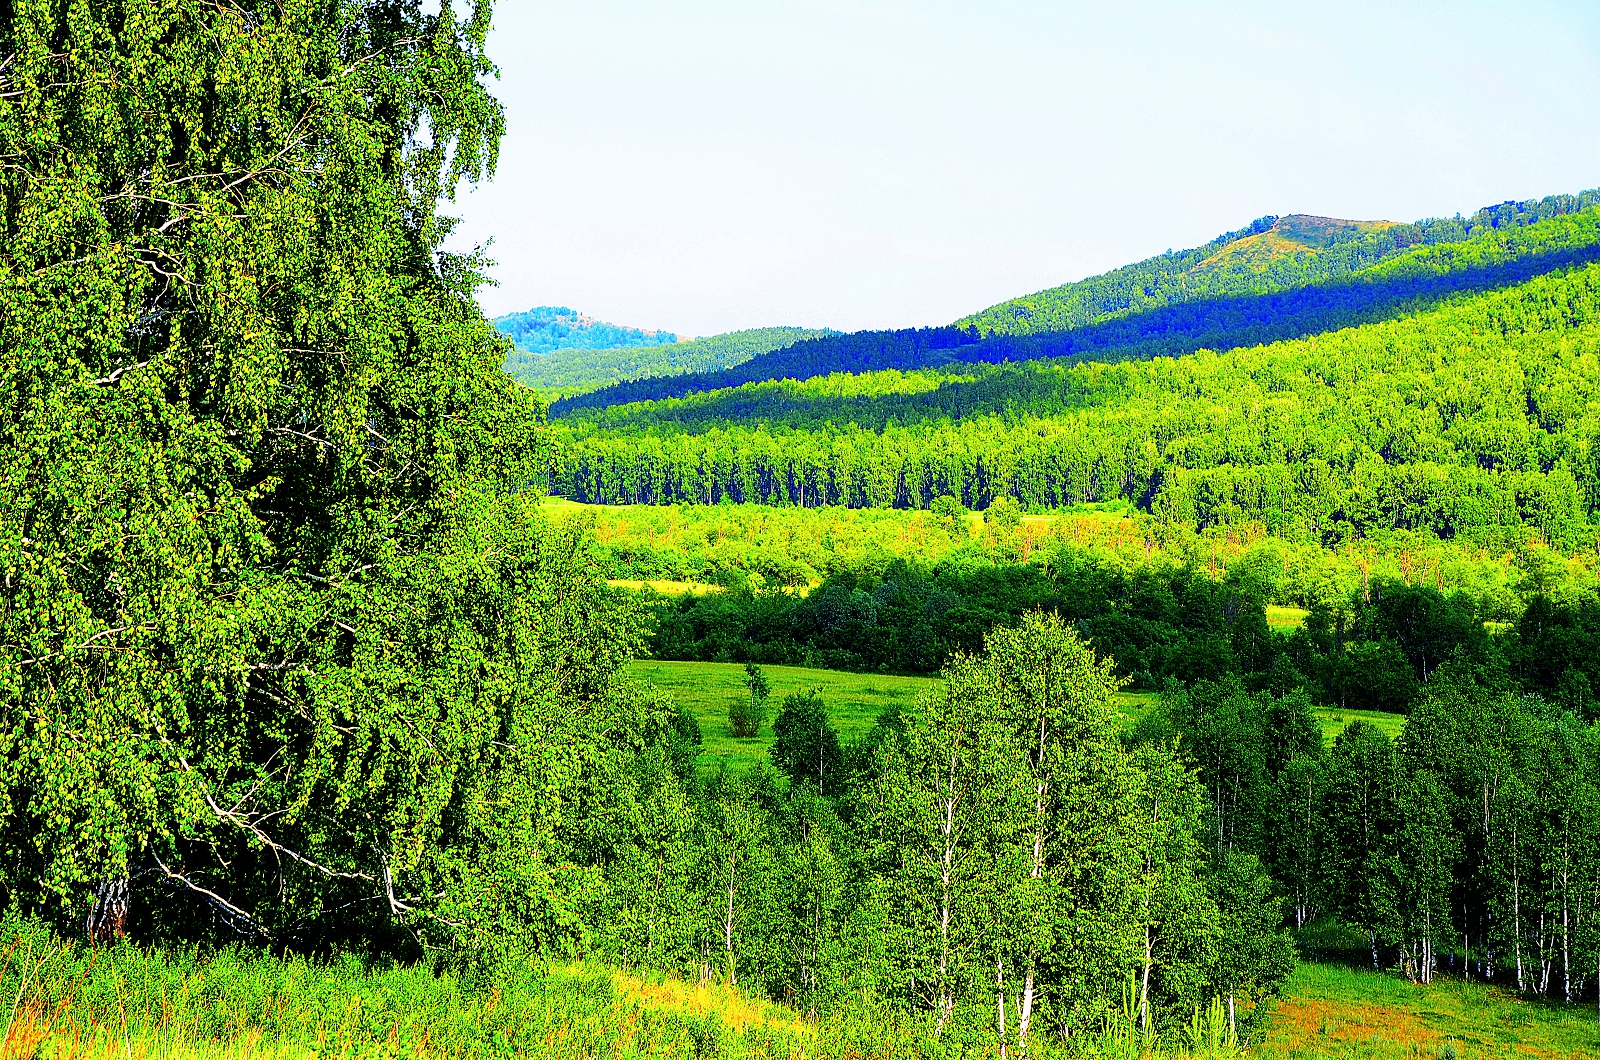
(1334, 719)
(1285, 619)
(854, 703)
(705, 689)
(1334, 1012)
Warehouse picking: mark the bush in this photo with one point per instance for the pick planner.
(747, 713)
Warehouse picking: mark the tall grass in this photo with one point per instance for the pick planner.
(61, 1001)
(125, 1001)
(64, 1001)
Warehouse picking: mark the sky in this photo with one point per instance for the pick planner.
(703, 166)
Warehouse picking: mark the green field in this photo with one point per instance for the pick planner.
(1338, 1013)
(132, 1003)
(705, 689)
(854, 703)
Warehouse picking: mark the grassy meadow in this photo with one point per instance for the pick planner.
(68, 1002)
(854, 702)
(1333, 1012)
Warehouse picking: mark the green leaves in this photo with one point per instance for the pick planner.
(282, 637)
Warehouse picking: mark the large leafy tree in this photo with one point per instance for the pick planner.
(279, 632)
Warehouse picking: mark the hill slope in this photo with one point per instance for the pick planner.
(566, 372)
(1479, 413)
(1493, 256)
(1272, 254)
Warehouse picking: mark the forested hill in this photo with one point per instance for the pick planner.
(566, 372)
(1481, 412)
(1272, 254)
(1493, 257)
(1242, 289)
(547, 328)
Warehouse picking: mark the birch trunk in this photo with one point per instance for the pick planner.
(727, 922)
(1041, 789)
(946, 860)
(1000, 1003)
(1144, 986)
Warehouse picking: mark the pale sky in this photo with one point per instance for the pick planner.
(707, 165)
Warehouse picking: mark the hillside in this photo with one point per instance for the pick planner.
(572, 371)
(1242, 289)
(1272, 254)
(548, 328)
(1475, 414)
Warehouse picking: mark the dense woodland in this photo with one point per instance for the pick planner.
(1475, 415)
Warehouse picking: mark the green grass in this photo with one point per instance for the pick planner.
(854, 701)
(1334, 1012)
(129, 1003)
(126, 1002)
(1286, 618)
(1334, 719)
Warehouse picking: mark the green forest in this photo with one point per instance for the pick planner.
(326, 716)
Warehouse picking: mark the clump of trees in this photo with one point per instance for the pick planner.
(1469, 844)
(996, 861)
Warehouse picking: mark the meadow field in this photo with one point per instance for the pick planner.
(67, 1002)
(854, 702)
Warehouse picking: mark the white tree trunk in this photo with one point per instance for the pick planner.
(727, 922)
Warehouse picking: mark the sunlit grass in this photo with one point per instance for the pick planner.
(1337, 1012)
(854, 702)
(705, 689)
(1286, 618)
(666, 587)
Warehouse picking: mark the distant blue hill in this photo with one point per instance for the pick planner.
(548, 328)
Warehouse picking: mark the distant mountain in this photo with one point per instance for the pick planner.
(549, 328)
(569, 372)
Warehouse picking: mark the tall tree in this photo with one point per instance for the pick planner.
(279, 623)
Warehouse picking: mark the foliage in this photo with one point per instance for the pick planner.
(284, 647)
(1433, 846)
(746, 714)
(805, 745)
